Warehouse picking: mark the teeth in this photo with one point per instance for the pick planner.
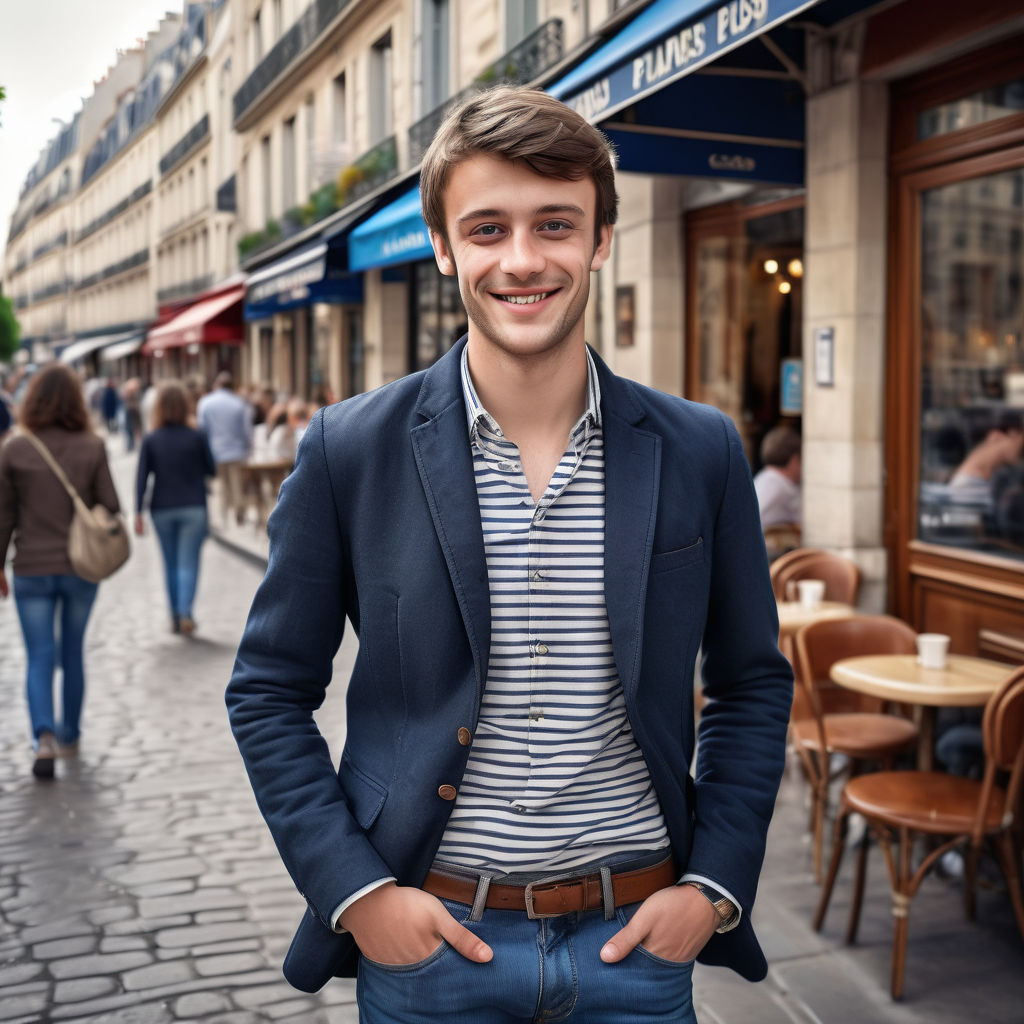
(524, 300)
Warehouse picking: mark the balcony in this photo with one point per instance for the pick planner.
(312, 23)
(54, 243)
(185, 290)
(116, 210)
(374, 168)
(57, 288)
(135, 260)
(540, 50)
(191, 140)
(227, 198)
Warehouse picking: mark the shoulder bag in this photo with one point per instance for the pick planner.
(98, 543)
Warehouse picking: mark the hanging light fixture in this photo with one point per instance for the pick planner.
(785, 287)
(771, 266)
(795, 267)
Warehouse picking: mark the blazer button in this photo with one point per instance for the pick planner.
(465, 736)
(446, 792)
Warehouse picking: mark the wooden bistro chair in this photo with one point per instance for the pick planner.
(780, 568)
(899, 806)
(827, 719)
(840, 574)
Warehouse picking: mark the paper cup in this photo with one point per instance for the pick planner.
(932, 649)
(810, 592)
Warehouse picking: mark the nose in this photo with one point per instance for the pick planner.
(521, 256)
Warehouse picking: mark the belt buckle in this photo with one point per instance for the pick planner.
(545, 883)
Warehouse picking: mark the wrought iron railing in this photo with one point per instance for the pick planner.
(135, 260)
(539, 51)
(57, 288)
(184, 290)
(115, 211)
(296, 41)
(227, 196)
(54, 243)
(194, 137)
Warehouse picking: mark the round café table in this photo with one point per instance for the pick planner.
(794, 616)
(964, 682)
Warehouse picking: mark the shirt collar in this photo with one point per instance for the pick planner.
(476, 413)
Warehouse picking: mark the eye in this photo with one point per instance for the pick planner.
(487, 231)
(555, 227)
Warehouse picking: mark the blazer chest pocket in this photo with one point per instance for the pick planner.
(679, 558)
(365, 795)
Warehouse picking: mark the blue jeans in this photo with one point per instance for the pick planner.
(548, 970)
(181, 532)
(38, 600)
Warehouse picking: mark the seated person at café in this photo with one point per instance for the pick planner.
(777, 483)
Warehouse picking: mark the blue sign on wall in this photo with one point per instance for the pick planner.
(791, 387)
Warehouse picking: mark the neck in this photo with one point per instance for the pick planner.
(541, 396)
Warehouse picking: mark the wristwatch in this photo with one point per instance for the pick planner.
(724, 907)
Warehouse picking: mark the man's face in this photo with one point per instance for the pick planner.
(523, 248)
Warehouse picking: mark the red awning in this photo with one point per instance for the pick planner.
(216, 320)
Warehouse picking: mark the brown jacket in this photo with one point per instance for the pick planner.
(34, 506)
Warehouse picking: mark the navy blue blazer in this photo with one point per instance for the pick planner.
(379, 523)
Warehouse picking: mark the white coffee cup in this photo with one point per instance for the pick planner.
(811, 592)
(931, 650)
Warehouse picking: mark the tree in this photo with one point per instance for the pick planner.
(3, 96)
(10, 331)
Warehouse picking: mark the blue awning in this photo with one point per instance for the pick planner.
(312, 273)
(666, 41)
(395, 234)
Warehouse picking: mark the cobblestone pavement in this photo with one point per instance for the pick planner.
(142, 886)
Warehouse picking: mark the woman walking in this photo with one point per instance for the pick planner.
(53, 603)
(179, 461)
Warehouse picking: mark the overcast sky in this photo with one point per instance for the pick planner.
(51, 52)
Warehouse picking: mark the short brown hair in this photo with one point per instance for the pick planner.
(519, 124)
(172, 406)
(779, 445)
(54, 399)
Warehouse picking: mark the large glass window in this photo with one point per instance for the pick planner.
(972, 386)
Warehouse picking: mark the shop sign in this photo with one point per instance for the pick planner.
(680, 52)
(791, 389)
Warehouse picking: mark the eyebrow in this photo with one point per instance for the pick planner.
(550, 208)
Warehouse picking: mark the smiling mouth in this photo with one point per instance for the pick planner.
(524, 300)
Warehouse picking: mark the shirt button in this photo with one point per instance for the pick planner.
(446, 792)
(542, 648)
(465, 736)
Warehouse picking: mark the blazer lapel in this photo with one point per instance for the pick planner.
(632, 475)
(445, 465)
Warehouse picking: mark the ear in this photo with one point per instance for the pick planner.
(604, 248)
(442, 254)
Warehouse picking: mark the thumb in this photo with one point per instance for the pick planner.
(463, 941)
(621, 944)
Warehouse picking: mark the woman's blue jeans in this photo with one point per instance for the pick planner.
(181, 532)
(542, 970)
(53, 611)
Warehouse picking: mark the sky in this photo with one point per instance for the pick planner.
(51, 52)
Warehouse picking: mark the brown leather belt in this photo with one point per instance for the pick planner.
(553, 897)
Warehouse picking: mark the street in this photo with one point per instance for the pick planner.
(142, 886)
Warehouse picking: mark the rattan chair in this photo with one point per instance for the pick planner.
(900, 806)
(829, 720)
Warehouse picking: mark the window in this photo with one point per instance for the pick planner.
(972, 385)
(310, 117)
(339, 115)
(257, 39)
(288, 181)
(520, 20)
(435, 53)
(278, 20)
(380, 90)
(265, 177)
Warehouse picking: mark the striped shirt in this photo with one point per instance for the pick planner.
(555, 778)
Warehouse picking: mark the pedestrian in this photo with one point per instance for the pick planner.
(533, 550)
(110, 404)
(226, 420)
(178, 459)
(53, 603)
(132, 396)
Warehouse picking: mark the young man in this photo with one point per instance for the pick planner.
(532, 551)
(777, 483)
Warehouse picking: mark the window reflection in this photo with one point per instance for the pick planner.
(972, 387)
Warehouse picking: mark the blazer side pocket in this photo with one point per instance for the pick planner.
(679, 558)
(365, 795)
